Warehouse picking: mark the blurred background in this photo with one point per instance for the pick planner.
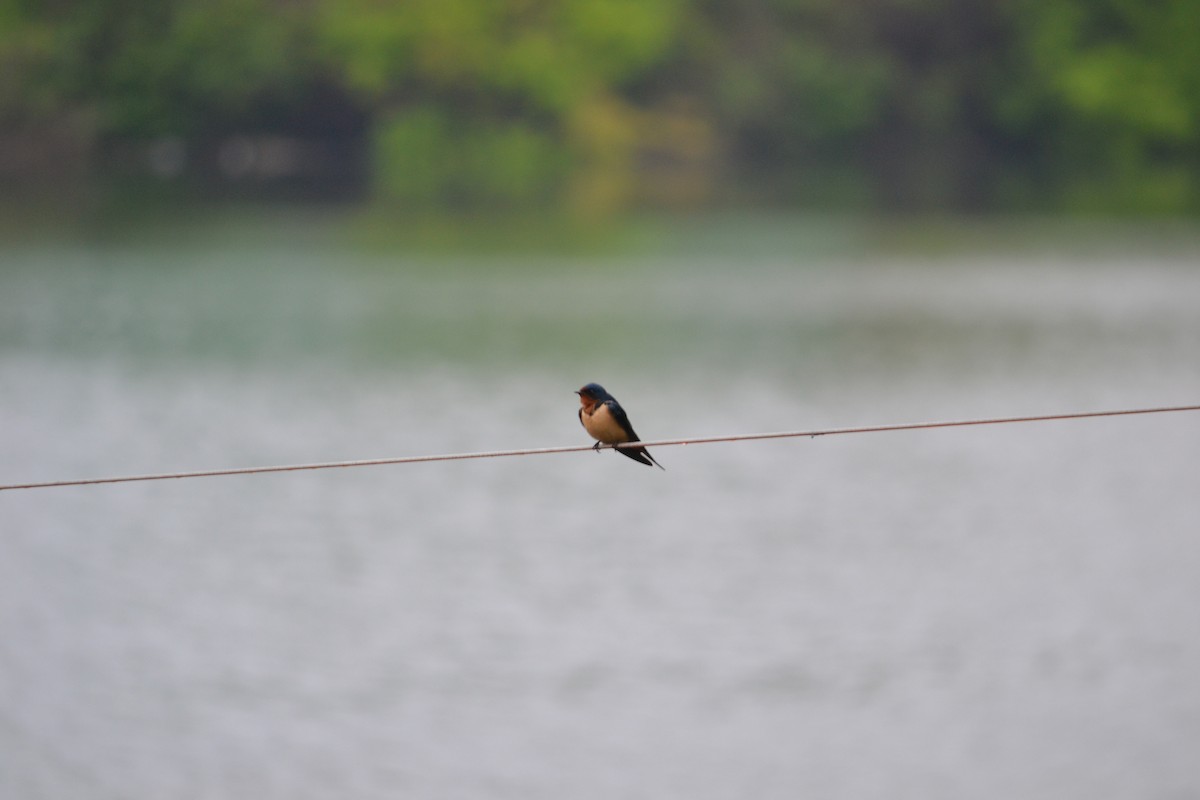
(248, 232)
(604, 106)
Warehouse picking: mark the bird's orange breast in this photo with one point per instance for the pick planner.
(602, 427)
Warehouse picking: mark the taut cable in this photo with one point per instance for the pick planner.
(744, 437)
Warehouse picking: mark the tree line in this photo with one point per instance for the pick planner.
(600, 104)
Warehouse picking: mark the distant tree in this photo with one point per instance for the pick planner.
(490, 100)
(1109, 89)
(149, 68)
(468, 102)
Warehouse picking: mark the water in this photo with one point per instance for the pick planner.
(992, 612)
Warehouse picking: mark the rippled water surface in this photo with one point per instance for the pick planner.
(988, 612)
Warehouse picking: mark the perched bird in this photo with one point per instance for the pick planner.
(606, 422)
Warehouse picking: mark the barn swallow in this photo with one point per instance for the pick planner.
(606, 422)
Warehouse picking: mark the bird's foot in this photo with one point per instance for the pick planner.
(596, 447)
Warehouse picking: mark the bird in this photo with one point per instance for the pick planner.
(606, 422)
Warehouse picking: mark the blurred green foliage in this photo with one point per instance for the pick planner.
(425, 153)
(600, 104)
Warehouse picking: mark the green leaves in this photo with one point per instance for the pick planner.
(545, 56)
(425, 155)
(547, 101)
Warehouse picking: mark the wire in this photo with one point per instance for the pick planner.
(372, 462)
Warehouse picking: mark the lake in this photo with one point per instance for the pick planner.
(991, 612)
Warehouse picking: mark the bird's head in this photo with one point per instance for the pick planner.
(593, 391)
(591, 394)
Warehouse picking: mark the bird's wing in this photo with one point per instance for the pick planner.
(622, 419)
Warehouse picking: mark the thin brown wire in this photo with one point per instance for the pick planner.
(904, 426)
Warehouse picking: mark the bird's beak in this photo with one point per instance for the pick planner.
(578, 392)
